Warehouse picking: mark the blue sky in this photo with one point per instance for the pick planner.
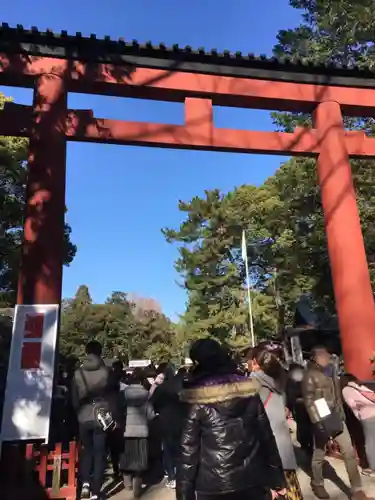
(119, 197)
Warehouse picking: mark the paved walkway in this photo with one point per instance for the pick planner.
(335, 484)
(334, 471)
(158, 492)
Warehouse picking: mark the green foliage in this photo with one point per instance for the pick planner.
(208, 267)
(13, 173)
(212, 269)
(338, 31)
(341, 32)
(285, 212)
(123, 333)
(157, 337)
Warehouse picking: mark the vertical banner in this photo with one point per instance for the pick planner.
(29, 386)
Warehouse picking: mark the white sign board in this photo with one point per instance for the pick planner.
(139, 363)
(28, 393)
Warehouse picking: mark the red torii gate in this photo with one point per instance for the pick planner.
(54, 65)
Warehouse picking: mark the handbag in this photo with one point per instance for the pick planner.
(332, 424)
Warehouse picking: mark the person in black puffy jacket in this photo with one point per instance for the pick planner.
(228, 450)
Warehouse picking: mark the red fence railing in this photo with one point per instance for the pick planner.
(56, 471)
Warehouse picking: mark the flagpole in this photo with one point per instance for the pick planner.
(244, 257)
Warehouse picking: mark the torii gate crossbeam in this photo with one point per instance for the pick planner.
(56, 65)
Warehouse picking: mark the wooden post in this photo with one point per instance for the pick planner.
(40, 278)
(350, 274)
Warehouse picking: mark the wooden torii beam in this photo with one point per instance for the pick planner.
(175, 86)
(27, 59)
(197, 133)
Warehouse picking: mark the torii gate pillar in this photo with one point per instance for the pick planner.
(40, 278)
(350, 274)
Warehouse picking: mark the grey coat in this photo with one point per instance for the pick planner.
(274, 401)
(94, 381)
(139, 411)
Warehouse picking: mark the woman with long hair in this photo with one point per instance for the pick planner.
(267, 366)
(139, 413)
(165, 400)
(228, 450)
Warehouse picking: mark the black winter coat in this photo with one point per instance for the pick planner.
(166, 403)
(227, 442)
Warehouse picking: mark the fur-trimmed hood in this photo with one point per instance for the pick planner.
(213, 390)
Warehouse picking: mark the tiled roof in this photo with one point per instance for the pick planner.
(35, 42)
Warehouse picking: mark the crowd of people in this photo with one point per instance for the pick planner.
(220, 429)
